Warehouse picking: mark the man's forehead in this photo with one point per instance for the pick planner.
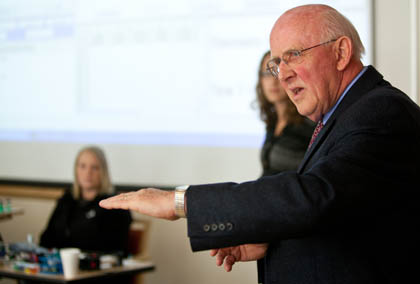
(283, 42)
(285, 37)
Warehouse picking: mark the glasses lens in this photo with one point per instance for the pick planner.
(292, 57)
(273, 66)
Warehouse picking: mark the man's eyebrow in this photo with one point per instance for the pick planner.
(287, 50)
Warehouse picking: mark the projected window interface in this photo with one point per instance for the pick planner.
(145, 72)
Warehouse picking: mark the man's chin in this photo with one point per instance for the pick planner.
(301, 110)
(304, 112)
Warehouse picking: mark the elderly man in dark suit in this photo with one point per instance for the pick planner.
(350, 213)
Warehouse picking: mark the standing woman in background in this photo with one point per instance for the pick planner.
(287, 132)
(78, 221)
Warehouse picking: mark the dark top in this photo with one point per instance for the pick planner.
(286, 151)
(349, 214)
(85, 225)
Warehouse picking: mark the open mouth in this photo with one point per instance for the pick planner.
(296, 90)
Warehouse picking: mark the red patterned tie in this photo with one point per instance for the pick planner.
(316, 131)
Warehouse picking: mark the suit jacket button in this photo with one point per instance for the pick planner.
(229, 226)
(222, 227)
(213, 227)
(206, 227)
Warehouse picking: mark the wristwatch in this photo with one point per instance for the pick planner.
(180, 200)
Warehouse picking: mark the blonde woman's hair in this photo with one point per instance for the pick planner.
(106, 185)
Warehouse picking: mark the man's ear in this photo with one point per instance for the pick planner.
(343, 49)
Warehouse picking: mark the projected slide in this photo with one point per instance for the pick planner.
(148, 72)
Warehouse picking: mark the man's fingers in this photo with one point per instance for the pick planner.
(148, 201)
(224, 256)
(221, 254)
(112, 202)
(229, 262)
(120, 201)
(213, 252)
(219, 260)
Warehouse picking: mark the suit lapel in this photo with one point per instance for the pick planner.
(323, 134)
(365, 83)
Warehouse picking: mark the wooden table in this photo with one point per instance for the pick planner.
(82, 276)
(8, 215)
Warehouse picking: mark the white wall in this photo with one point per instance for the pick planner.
(133, 164)
(396, 46)
(169, 245)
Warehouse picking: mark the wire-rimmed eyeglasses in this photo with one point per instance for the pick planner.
(290, 57)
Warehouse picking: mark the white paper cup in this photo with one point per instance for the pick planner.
(70, 261)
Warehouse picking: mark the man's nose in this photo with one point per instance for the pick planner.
(285, 72)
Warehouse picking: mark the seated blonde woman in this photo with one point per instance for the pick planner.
(78, 221)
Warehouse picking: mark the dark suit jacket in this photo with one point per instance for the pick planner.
(350, 213)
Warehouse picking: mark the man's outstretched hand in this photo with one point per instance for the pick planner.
(148, 201)
(229, 256)
(160, 204)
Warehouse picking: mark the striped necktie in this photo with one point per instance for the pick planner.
(316, 132)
